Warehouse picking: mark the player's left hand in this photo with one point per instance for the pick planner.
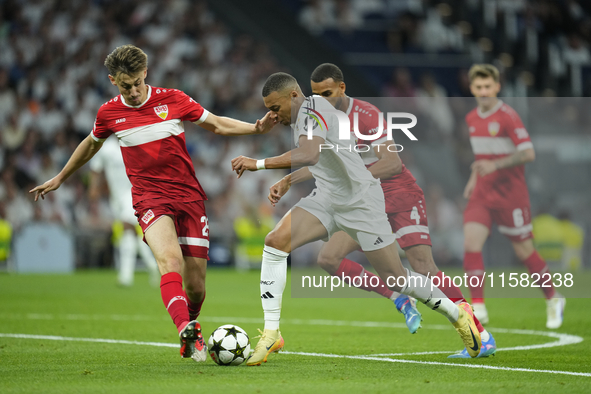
(243, 163)
(265, 125)
(484, 167)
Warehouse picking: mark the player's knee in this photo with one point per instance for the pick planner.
(170, 264)
(277, 239)
(329, 263)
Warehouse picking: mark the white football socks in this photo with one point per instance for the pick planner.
(273, 279)
(421, 288)
(127, 257)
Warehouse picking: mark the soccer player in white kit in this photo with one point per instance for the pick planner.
(347, 198)
(109, 161)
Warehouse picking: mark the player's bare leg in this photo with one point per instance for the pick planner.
(388, 265)
(332, 258)
(298, 227)
(555, 302)
(162, 239)
(475, 235)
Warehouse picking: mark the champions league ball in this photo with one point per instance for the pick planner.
(229, 345)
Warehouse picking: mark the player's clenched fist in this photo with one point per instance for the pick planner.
(243, 163)
(278, 190)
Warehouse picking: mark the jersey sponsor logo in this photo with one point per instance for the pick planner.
(267, 282)
(120, 120)
(161, 111)
(472, 129)
(493, 128)
(148, 216)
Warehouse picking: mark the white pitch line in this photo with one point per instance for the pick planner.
(382, 359)
(96, 340)
(563, 340)
(477, 366)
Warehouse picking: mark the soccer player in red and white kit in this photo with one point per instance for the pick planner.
(497, 191)
(405, 206)
(167, 198)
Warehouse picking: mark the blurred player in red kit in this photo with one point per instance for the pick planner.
(497, 190)
(405, 206)
(167, 198)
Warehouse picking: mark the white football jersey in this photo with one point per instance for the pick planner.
(340, 172)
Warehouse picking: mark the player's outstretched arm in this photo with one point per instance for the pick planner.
(279, 189)
(388, 164)
(84, 152)
(307, 154)
(228, 126)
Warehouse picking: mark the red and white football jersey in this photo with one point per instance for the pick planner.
(493, 135)
(152, 140)
(368, 119)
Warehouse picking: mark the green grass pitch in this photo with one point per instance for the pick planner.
(331, 345)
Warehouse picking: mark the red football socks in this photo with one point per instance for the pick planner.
(474, 266)
(535, 264)
(174, 298)
(350, 270)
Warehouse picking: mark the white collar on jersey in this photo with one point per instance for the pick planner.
(350, 105)
(491, 111)
(138, 106)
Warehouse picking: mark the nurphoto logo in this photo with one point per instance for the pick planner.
(316, 119)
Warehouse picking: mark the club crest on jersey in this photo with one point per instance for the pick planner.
(148, 216)
(493, 128)
(161, 111)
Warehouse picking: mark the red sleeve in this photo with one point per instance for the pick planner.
(516, 130)
(189, 109)
(369, 125)
(100, 132)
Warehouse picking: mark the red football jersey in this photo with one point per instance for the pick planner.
(368, 123)
(152, 140)
(495, 134)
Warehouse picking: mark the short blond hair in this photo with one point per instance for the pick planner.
(126, 59)
(483, 71)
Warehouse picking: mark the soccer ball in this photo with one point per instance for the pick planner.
(229, 345)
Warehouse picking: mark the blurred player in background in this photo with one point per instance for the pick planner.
(405, 206)
(347, 198)
(109, 161)
(497, 190)
(167, 198)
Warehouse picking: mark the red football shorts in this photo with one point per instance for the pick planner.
(407, 214)
(513, 222)
(189, 219)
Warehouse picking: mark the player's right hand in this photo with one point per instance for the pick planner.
(42, 190)
(278, 190)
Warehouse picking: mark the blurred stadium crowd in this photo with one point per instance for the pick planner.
(52, 81)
